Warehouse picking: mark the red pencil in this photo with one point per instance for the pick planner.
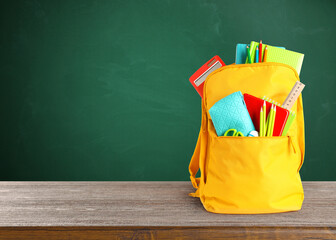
(260, 51)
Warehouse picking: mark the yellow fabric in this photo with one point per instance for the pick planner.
(249, 175)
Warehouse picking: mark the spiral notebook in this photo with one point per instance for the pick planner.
(254, 105)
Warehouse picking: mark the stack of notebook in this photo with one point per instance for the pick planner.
(275, 54)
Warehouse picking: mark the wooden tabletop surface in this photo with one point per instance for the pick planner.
(60, 207)
(143, 204)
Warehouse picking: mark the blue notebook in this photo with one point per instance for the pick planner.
(241, 53)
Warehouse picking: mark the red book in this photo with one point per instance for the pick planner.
(198, 78)
(254, 104)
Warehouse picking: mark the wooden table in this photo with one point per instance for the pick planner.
(150, 210)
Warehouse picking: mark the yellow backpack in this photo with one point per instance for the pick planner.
(249, 175)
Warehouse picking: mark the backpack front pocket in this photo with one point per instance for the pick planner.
(252, 175)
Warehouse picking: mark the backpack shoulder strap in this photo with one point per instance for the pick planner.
(301, 134)
(194, 163)
(198, 159)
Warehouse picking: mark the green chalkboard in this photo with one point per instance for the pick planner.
(99, 90)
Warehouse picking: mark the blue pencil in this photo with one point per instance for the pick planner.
(257, 55)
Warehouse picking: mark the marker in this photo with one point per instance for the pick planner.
(265, 54)
(257, 55)
(260, 50)
(248, 54)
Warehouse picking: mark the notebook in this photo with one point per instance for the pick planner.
(241, 52)
(289, 122)
(291, 58)
(254, 105)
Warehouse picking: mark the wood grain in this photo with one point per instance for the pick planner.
(149, 210)
(165, 233)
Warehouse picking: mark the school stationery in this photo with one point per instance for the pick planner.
(198, 78)
(230, 112)
(261, 125)
(248, 54)
(233, 132)
(241, 53)
(269, 122)
(273, 119)
(290, 58)
(254, 104)
(253, 46)
(253, 134)
(293, 95)
(257, 55)
(264, 118)
(244, 175)
(272, 116)
(265, 54)
(289, 122)
(260, 50)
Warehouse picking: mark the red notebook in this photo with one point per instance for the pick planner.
(254, 104)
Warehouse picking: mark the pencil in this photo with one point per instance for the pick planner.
(257, 55)
(264, 119)
(273, 120)
(248, 54)
(261, 125)
(260, 51)
(269, 122)
(265, 54)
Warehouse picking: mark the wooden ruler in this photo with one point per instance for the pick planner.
(293, 95)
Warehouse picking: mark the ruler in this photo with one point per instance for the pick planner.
(293, 95)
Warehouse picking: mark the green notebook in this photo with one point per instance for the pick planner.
(291, 58)
(276, 54)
